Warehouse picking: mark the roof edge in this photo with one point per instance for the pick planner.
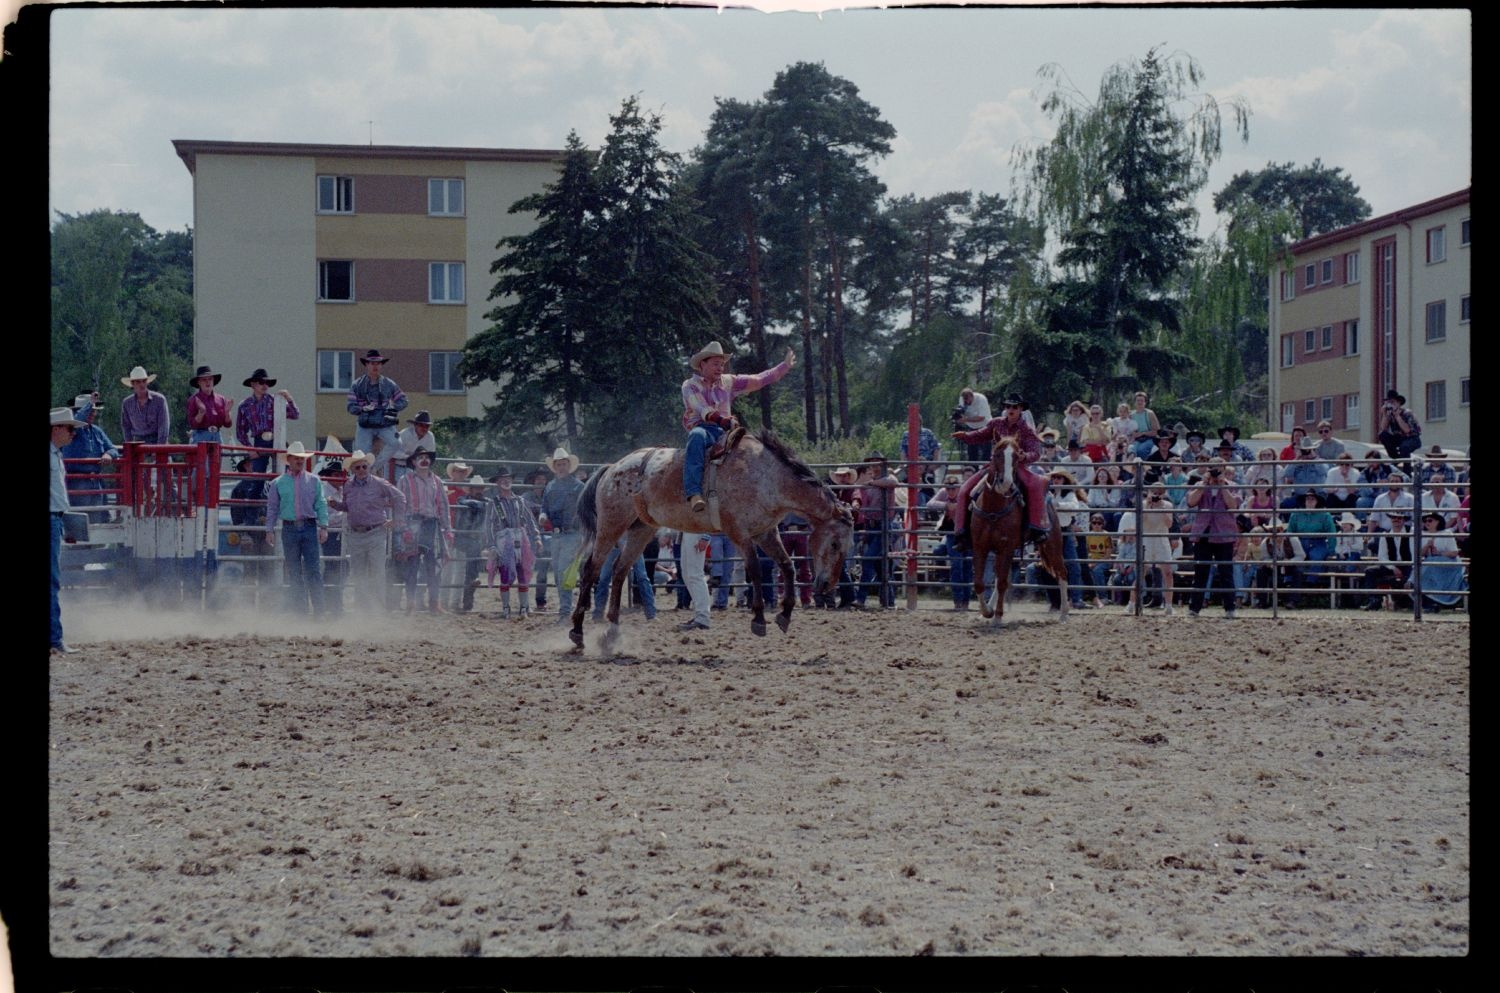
(1383, 221)
(188, 149)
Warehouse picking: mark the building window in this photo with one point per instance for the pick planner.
(445, 282)
(1463, 392)
(1309, 411)
(1310, 275)
(1327, 336)
(1351, 410)
(335, 371)
(1437, 249)
(1351, 267)
(1437, 400)
(442, 372)
(1309, 341)
(1351, 337)
(1288, 350)
(1288, 416)
(1289, 286)
(1463, 309)
(1326, 414)
(1463, 233)
(336, 281)
(445, 197)
(1437, 320)
(1327, 270)
(335, 194)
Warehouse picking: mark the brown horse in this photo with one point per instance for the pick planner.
(760, 482)
(997, 523)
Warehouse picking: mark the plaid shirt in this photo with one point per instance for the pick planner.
(257, 415)
(700, 396)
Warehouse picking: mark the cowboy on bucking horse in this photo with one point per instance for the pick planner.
(707, 397)
(1010, 424)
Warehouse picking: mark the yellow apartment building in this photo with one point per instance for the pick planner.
(305, 256)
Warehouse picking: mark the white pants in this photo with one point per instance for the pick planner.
(367, 551)
(692, 574)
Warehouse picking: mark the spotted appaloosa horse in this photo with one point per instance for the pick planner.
(759, 483)
(997, 523)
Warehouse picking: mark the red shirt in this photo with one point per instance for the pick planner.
(997, 428)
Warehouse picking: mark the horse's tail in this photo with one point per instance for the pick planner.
(588, 511)
(1050, 549)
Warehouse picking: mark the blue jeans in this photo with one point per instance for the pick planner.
(872, 567)
(57, 534)
(364, 440)
(700, 440)
(644, 591)
(960, 573)
(720, 556)
(299, 543)
(565, 546)
(1075, 573)
(202, 434)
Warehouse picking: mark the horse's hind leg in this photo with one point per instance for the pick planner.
(771, 543)
(636, 540)
(588, 575)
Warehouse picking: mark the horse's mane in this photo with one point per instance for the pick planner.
(794, 465)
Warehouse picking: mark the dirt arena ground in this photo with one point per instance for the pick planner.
(867, 784)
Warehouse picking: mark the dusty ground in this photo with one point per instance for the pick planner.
(868, 784)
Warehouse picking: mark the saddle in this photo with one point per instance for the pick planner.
(713, 458)
(725, 445)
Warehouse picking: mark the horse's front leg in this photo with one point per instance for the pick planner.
(588, 575)
(771, 542)
(752, 576)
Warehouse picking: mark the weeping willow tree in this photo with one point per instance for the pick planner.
(1117, 183)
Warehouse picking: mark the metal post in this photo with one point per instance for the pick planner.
(913, 469)
(1140, 549)
(1414, 526)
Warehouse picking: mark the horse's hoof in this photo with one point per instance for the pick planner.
(758, 628)
(783, 621)
(576, 637)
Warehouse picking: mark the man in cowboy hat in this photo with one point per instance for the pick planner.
(1238, 452)
(1010, 424)
(144, 415)
(536, 484)
(1304, 475)
(707, 398)
(376, 403)
(295, 501)
(560, 505)
(1400, 432)
(255, 421)
(372, 507)
(90, 443)
(430, 516)
(512, 536)
(207, 411)
(64, 427)
(417, 435)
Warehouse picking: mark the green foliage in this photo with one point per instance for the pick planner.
(122, 296)
(1320, 198)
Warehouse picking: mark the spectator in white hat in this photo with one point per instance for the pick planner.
(144, 415)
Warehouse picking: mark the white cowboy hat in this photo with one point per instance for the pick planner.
(707, 351)
(139, 372)
(462, 468)
(368, 458)
(332, 449)
(296, 451)
(1064, 474)
(561, 455)
(1348, 518)
(843, 472)
(64, 416)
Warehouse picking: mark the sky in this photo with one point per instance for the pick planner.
(1385, 93)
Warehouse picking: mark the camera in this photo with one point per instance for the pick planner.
(1214, 473)
(957, 416)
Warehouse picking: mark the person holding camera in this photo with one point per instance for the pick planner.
(1213, 533)
(1400, 432)
(972, 414)
(376, 403)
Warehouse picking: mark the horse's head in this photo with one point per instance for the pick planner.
(1006, 455)
(829, 542)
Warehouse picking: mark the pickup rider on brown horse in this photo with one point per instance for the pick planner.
(707, 416)
(1010, 424)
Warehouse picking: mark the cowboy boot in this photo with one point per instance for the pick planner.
(697, 502)
(505, 605)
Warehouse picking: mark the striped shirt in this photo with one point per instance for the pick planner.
(700, 396)
(257, 416)
(425, 497)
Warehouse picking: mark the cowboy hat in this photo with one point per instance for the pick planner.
(1065, 474)
(1195, 433)
(296, 451)
(373, 355)
(83, 403)
(1316, 497)
(64, 416)
(204, 370)
(1349, 519)
(423, 417)
(332, 449)
(139, 372)
(710, 350)
(1048, 436)
(359, 456)
(1014, 400)
(1168, 435)
(500, 471)
(1308, 444)
(419, 451)
(1432, 515)
(561, 455)
(843, 472)
(1393, 395)
(260, 376)
(460, 469)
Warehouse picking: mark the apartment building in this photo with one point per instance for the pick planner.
(307, 255)
(1379, 305)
